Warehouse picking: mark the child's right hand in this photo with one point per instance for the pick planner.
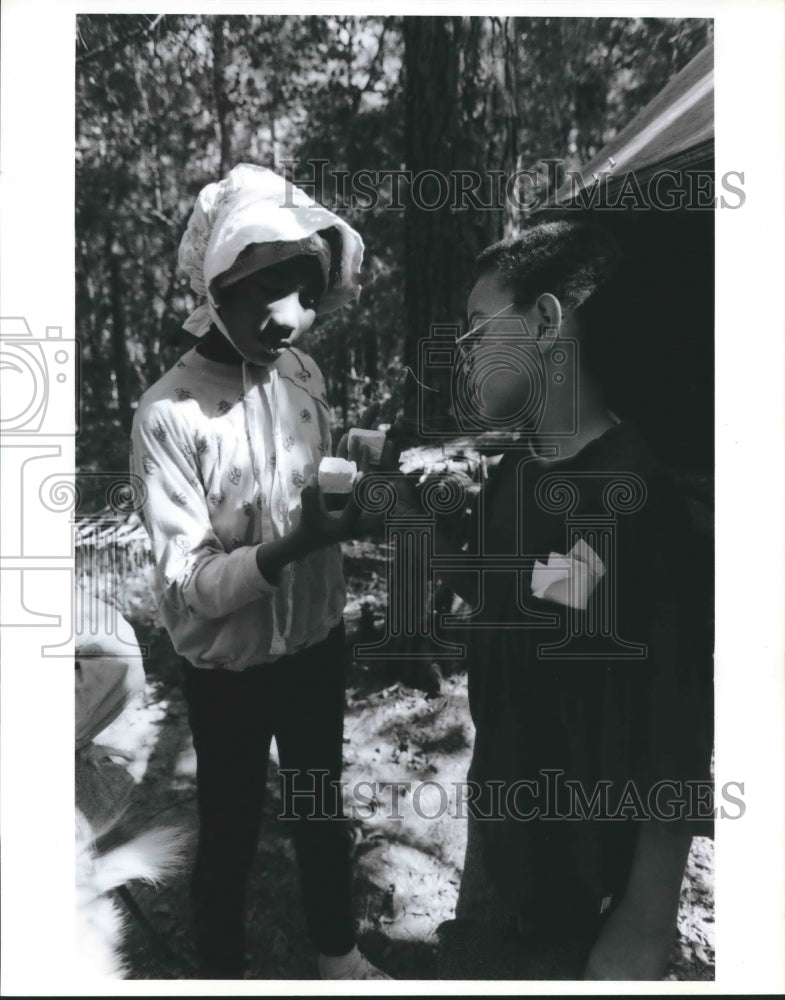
(318, 527)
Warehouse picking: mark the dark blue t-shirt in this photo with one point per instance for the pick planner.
(600, 704)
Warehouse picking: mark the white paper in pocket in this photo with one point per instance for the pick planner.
(568, 580)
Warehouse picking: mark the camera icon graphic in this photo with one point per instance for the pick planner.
(40, 376)
(500, 382)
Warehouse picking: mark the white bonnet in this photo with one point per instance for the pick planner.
(255, 205)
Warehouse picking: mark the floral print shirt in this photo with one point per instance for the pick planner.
(223, 452)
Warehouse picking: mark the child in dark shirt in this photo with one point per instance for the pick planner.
(589, 660)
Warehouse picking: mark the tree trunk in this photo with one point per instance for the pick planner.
(443, 137)
(223, 105)
(431, 249)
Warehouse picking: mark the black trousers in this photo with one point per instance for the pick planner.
(299, 699)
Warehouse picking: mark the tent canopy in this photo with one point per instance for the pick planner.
(656, 350)
(673, 132)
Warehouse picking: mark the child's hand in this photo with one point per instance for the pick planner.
(406, 496)
(366, 422)
(407, 500)
(318, 527)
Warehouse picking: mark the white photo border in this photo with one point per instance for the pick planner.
(37, 282)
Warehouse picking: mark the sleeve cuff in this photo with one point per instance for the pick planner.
(251, 575)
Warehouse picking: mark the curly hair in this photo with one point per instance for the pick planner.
(571, 260)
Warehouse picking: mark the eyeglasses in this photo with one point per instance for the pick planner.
(464, 345)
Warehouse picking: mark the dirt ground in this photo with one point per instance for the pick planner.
(400, 726)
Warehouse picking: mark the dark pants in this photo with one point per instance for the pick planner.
(299, 699)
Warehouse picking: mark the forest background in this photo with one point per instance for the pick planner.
(167, 104)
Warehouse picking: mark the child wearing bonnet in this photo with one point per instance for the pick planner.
(249, 580)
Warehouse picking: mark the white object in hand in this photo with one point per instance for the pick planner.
(374, 439)
(568, 580)
(336, 475)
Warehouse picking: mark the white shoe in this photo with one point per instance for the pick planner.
(352, 966)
